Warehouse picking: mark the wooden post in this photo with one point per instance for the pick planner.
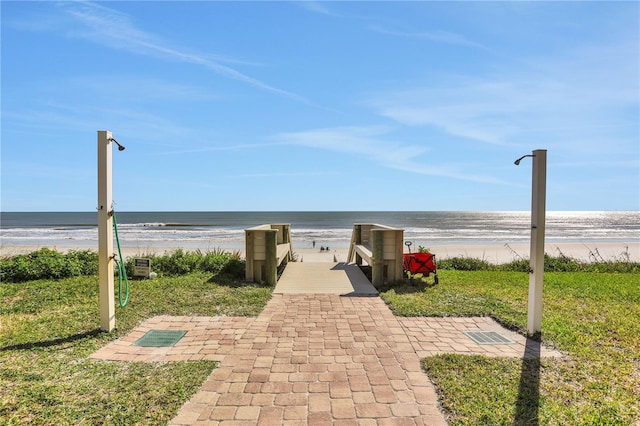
(399, 259)
(393, 253)
(357, 230)
(248, 244)
(377, 249)
(286, 239)
(536, 253)
(105, 233)
(271, 254)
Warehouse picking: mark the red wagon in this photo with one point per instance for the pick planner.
(420, 263)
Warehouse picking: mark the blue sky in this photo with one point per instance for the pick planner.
(320, 105)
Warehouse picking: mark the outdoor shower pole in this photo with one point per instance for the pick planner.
(105, 232)
(536, 253)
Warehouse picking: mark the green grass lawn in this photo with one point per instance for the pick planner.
(593, 318)
(49, 328)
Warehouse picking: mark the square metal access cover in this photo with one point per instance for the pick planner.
(160, 338)
(488, 338)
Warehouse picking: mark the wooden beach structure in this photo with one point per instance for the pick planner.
(267, 247)
(381, 248)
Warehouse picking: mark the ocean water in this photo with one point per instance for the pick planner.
(209, 230)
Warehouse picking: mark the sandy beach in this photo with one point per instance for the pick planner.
(498, 253)
(495, 254)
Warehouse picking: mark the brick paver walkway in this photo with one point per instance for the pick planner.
(318, 359)
(314, 359)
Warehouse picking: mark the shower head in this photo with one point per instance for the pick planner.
(120, 147)
(517, 162)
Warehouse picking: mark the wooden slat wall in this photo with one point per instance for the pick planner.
(264, 250)
(390, 254)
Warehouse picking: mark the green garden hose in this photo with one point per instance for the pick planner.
(122, 272)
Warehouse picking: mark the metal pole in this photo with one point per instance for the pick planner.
(105, 232)
(536, 254)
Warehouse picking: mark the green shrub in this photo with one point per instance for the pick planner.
(48, 264)
(86, 260)
(51, 264)
(224, 263)
(235, 267)
(559, 263)
(615, 266)
(214, 263)
(519, 265)
(464, 264)
(177, 263)
(180, 262)
(562, 263)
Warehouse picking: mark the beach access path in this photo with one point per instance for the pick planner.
(316, 357)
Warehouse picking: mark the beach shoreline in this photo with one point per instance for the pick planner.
(492, 253)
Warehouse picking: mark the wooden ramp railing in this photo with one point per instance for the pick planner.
(267, 247)
(381, 247)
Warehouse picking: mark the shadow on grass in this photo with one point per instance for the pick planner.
(408, 286)
(528, 403)
(415, 283)
(233, 282)
(54, 342)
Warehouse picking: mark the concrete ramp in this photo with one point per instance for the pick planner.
(324, 278)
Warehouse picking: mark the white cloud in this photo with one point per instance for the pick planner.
(437, 36)
(232, 147)
(566, 97)
(114, 29)
(59, 117)
(316, 7)
(282, 174)
(366, 141)
(373, 143)
(143, 88)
